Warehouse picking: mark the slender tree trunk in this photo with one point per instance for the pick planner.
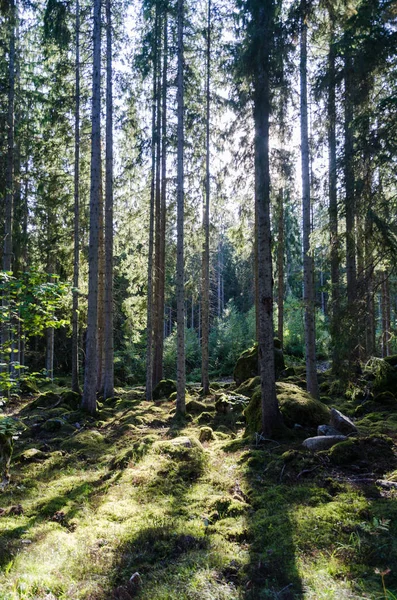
(280, 266)
(205, 285)
(308, 266)
(157, 317)
(9, 195)
(149, 318)
(271, 416)
(101, 292)
(159, 345)
(333, 204)
(180, 277)
(351, 275)
(76, 263)
(91, 363)
(108, 379)
(49, 363)
(9, 177)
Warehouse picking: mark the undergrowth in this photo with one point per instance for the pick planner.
(131, 505)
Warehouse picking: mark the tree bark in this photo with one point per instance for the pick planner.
(76, 263)
(159, 345)
(101, 292)
(280, 267)
(271, 416)
(333, 203)
(308, 266)
(149, 318)
(91, 363)
(351, 274)
(108, 379)
(157, 317)
(180, 292)
(205, 285)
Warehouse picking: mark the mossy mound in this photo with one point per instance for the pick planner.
(164, 389)
(377, 450)
(90, 443)
(247, 388)
(45, 400)
(247, 365)
(382, 374)
(296, 405)
(72, 399)
(205, 417)
(194, 407)
(186, 458)
(132, 454)
(206, 434)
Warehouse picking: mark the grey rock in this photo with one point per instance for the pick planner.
(327, 430)
(341, 422)
(323, 442)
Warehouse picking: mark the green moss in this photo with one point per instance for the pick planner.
(72, 399)
(92, 443)
(247, 364)
(296, 405)
(195, 407)
(377, 450)
(164, 389)
(206, 434)
(186, 458)
(248, 387)
(205, 417)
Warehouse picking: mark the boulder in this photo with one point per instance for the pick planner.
(72, 399)
(206, 434)
(247, 365)
(52, 425)
(46, 400)
(341, 422)
(32, 455)
(322, 442)
(164, 389)
(327, 430)
(296, 405)
(195, 407)
(226, 403)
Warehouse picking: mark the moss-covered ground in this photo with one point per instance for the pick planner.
(130, 504)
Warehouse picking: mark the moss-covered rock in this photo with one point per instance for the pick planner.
(227, 403)
(186, 457)
(205, 417)
(296, 405)
(194, 407)
(45, 400)
(91, 443)
(206, 434)
(32, 455)
(52, 425)
(386, 399)
(247, 365)
(72, 399)
(247, 388)
(164, 389)
(377, 450)
(132, 454)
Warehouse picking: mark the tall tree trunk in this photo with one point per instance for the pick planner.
(76, 263)
(280, 266)
(91, 363)
(205, 285)
(9, 176)
(271, 416)
(108, 379)
(333, 203)
(180, 278)
(9, 195)
(308, 266)
(351, 274)
(158, 318)
(101, 292)
(149, 316)
(159, 346)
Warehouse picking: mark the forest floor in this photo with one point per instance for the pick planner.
(129, 504)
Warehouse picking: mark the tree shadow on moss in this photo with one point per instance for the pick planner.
(272, 571)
